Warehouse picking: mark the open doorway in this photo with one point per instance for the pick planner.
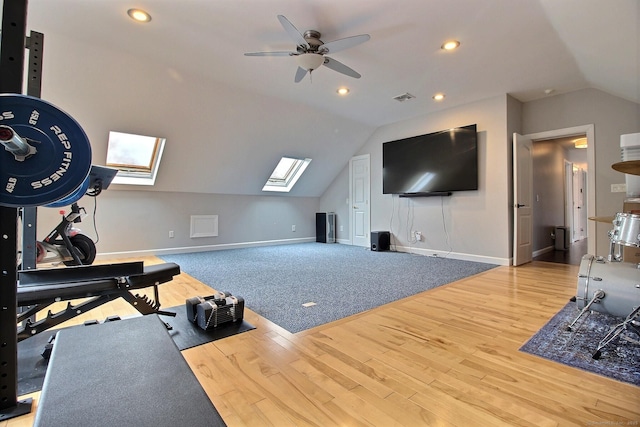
(560, 169)
(524, 230)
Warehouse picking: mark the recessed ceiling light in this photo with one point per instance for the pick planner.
(343, 91)
(450, 45)
(139, 15)
(438, 97)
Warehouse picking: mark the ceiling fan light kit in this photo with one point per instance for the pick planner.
(311, 51)
(310, 61)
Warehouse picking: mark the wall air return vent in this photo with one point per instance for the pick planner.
(404, 97)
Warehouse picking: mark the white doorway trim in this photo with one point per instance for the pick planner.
(589, 130)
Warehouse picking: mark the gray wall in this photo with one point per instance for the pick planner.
(468, 225)
(549, 188)
(479, 224)
(213, 162)
(138, 222)
(107, 90)
(611, 117)
(548, 192)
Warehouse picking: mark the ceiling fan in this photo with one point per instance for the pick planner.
(311, 51)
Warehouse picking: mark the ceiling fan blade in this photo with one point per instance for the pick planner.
(269, 54)
(346, 43)
(293, 31)
(300, 73)
(341, 68)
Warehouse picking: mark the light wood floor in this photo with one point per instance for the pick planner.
(445, 357)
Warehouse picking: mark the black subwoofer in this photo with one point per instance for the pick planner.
(380, 240)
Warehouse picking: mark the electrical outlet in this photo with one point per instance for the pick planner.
(293, 228)
(171, 234)
(418, 235)
(342, 228)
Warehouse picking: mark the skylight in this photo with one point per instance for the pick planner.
(286, 174)
(136, 157)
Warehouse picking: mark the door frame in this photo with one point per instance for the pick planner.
(588, 130)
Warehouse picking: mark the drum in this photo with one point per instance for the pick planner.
(626, 229)
(620, 282)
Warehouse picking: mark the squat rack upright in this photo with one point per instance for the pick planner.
(12, 53)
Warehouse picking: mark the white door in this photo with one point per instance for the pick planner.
(359, 193)
(579, 214)
(522, 197)
(569, 199)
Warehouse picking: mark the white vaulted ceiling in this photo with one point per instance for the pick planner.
(515, 47)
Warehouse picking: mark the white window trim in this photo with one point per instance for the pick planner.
(285, 185)
(131, 176)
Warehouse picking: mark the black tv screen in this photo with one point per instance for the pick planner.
(439, 162)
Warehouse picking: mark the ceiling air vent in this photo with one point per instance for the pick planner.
(404, 97)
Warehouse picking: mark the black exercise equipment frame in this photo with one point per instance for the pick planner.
(12, 53)
(99, 283)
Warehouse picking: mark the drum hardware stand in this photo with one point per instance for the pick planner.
(629, 323)
(597, 297)
(614, 255)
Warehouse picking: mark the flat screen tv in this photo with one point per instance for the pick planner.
(433, 164)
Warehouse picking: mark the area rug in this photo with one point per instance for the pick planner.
(619, 360)
(300, 286)
(32, 367)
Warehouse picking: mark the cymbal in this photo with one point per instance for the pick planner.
(630, 166)
(608, 219)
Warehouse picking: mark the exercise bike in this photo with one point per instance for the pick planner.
(65, 243)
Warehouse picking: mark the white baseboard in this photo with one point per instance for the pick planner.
(189, 249)
(453, 255)
(543, 251)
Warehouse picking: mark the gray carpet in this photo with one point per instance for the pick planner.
(620, 360)
(275, 281)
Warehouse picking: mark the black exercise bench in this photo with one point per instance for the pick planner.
(38, 289)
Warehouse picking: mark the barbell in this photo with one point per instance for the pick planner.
(46, 156)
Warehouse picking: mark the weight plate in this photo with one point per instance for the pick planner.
(73, 197)
(62, 157)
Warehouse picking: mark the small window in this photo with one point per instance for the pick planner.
(136, 157)
(286, 174)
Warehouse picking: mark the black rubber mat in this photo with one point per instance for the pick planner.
(187, 335)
